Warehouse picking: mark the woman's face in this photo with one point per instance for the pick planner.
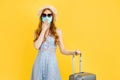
(47, 14)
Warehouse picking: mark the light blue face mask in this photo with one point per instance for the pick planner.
(48, 18)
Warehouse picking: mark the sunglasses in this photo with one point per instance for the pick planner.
(44, 15)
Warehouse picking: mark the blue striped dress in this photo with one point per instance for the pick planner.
(46, 66)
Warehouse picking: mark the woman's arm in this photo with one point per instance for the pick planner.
(61, 45)
(39, 41)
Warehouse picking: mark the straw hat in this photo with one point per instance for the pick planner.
(51, 8)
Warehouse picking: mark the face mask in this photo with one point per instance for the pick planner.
(48, 18)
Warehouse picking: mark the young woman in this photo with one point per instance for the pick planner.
(47, 37)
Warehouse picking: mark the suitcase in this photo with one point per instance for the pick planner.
(80, 75)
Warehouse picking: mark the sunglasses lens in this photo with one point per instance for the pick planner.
(43, 15)
(49, 15)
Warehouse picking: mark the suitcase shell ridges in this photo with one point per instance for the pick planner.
(82, 76)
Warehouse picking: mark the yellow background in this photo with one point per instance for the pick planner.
(92, 26)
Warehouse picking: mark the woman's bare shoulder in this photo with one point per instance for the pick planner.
(59, 31)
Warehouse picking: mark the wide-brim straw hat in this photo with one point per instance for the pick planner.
(52, 8)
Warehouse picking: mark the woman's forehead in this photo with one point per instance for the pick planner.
(47, 11)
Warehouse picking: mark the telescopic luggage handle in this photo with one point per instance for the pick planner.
(80, 64)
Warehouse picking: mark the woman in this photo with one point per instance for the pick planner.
(47, 37)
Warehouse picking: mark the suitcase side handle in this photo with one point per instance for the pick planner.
(80, 63)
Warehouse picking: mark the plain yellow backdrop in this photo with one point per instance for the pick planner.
(92, 26)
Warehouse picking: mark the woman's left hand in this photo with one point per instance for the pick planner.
(76, 52)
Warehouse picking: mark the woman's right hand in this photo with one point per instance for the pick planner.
(45, 25)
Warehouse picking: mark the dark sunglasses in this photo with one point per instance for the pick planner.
(44, 15)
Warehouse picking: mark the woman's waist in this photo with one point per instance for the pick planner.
(51, 50)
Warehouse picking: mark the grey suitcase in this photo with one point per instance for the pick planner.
(80, 75)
